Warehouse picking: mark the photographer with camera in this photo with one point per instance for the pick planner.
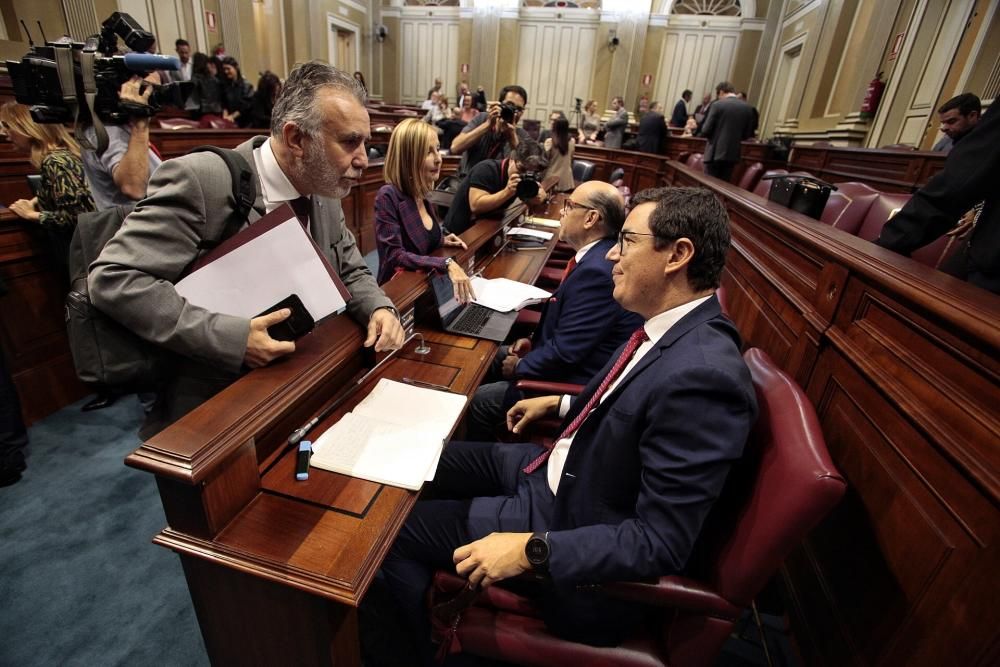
(118, 175)
(492, 134)
(492, 185)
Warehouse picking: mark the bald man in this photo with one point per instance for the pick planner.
(581, 325)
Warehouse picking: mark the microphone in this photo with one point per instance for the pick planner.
(147, 62)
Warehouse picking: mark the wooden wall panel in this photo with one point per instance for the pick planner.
(429, 49)
(555, 64)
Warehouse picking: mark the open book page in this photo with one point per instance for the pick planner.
(505, 295)
(394, 436)
(377, 451)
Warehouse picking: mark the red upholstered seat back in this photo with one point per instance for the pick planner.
(878, 214)
(763, 187)
(848, 205)
(934, 254)
(751, 175)
(785, 484)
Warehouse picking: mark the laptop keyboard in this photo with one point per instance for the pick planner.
(473, 320)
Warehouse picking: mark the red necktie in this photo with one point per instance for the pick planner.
(637, 339)
(569, 266)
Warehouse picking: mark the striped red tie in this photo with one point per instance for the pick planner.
(637, 339)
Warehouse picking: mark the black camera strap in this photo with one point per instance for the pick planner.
(87, 58)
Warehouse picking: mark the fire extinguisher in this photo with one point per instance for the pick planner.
(872, 97)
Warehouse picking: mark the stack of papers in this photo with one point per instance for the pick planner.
(394, 436)
(541, 222)
(505, 295)
(525, 233)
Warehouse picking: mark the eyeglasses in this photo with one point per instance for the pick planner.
(624, 235)
(569, 205)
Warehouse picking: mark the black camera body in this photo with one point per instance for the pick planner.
(507, 112)
(51, 79)
(527, 187)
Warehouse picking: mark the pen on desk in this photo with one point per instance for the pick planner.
(429, 385)
(529, 247)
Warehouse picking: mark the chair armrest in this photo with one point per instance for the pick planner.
(674, 591)
(542, 387)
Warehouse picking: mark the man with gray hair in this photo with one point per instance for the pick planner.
(315, 153)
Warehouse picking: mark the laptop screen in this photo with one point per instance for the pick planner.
(444, 295)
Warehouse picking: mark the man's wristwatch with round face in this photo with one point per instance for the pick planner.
(448, 262)
(537, 551)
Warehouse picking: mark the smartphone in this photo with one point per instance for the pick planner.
(296, 325)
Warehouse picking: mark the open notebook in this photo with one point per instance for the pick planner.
(394, 436)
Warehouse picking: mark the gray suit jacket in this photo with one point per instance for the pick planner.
(729, 122)
(188, 200)
(614, 133)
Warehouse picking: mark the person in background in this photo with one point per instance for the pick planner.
(406, 227)
(63, 193)
(237, 93)
(479, 99)
(262, 104)
(436, 88)
(690, 127)
(614, 133)
(680, 115)
(468, 111)
(488, 135)
(431, 102)
(958, 116)
(559, 149)
(184, 55)
(652, 136)
(702, 109)
(756, 114)
(439, 111)
(461, 92)
(360, 78)
(547, 132)
(206, 89)
(590, 124)
(729, 122)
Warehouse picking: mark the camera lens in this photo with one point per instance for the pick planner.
(507, 112)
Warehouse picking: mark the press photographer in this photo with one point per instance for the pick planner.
(493, 134)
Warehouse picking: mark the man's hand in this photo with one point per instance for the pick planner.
(494, 121)
(496, 557)
(27, 209)
(528, 410)
(959, 231)
(512, 182)
(520, 347)
(136, 91)
(509, 366)
(384, 331)
(261, 348)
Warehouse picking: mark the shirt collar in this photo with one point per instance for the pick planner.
(275, 187)
(658, 325)
(583, 251)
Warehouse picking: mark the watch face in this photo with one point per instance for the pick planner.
(537, 551)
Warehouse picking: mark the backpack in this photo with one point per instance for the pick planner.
(106, 353)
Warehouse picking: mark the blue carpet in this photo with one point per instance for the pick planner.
(80, 581)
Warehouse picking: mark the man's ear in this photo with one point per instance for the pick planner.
(294, 139)
(679, 255)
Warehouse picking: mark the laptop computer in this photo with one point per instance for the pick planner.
(471, 319)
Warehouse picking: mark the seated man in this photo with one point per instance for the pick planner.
(958, 117)
(492, 186)
(643, 454)
(581, 326)
(315, 154)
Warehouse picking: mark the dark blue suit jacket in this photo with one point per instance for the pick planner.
(582, 326)
(647, 465)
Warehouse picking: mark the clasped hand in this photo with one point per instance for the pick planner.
(495, 557)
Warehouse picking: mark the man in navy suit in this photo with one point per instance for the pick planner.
(581, 326)
(643, 454)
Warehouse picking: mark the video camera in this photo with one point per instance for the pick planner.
(67, 82)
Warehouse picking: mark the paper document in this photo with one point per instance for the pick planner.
(261, 265)
(505, 295)
(541, 222)
(524, 232)
(394, 436)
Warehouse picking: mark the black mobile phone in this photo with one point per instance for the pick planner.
(296, 325)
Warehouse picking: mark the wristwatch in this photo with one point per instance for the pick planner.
(448, 262)
(391, 309)
(537, 551)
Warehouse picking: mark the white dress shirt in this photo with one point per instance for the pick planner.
(656, 327)
(275, 187)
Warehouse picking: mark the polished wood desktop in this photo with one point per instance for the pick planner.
(277, 567)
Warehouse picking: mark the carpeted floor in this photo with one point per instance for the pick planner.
(80, 582)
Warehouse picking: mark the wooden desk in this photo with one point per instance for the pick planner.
(276, 568)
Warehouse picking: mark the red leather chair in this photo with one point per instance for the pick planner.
(751, 176)
(764, 186)
(847, 206)
(782, 488)
(696, 161)
(879, 213)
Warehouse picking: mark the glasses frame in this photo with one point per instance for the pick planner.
(627, 232)
(568, 205)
